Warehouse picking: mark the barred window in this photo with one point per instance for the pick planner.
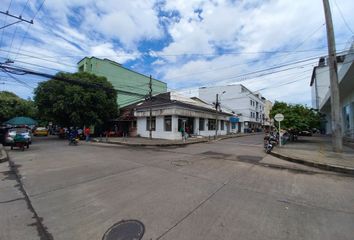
(153, 124)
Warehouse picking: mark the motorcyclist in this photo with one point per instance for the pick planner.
(73, 135)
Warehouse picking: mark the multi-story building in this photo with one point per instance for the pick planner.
(321, 95)
(268, 122)
(131, 86)
(247, 105)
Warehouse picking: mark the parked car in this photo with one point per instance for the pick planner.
(3, 134)
(41, 131)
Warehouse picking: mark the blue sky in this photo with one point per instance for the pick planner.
(188, 44)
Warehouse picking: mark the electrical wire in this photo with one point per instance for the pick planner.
(36, 65)
(15, 31)
(64, 64)
(343, 18)
(29, 26)
(5, 21)
(17, 80)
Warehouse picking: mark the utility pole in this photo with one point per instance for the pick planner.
(150, 99)
(336, 118)
(19, 19)
(216, 116)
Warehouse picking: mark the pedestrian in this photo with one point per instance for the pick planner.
(87, 134)
(182, 132)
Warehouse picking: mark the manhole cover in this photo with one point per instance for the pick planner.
(249, 158)
(125, 230)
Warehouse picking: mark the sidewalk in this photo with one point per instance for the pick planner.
(3, 154)
(316, 151)
(140, 141)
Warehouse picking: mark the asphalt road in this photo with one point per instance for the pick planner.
(227, 189)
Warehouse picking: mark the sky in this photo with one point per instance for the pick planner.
(270, 46)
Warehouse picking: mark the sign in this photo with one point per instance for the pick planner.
(279, 117)
(234, 119)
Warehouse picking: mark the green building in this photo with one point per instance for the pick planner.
(131, 86)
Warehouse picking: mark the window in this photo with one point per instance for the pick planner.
(222, 125)
(211, 124)
(201, 124)
(251, 102)
(168, 123)
(153, 124)
(81, 68)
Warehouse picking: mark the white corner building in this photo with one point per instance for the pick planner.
(171, 111)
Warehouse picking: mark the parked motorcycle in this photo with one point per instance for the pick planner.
(269, 142)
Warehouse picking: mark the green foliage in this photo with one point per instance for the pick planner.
(297, 117)
(13, 106)
(69, 104)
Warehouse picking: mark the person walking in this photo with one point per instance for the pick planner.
(87, 133)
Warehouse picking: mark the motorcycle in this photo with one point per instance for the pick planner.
(269, 142)
(73, 138)
(73, 141)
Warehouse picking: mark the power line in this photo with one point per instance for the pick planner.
(64, 64)
(17, 80)
(37, 65)
(279, 85)
(24, 35)
(23, 71)
(343, 18)
(5, 20)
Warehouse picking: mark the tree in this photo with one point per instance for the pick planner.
(297, 117)
(68, 103)
(12, 106)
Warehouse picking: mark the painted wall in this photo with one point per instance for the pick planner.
(122, 79)
(174, 134)
(320, 87)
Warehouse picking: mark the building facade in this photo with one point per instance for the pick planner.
(247, 105)
(268, 105)
(172, 112)
(321, 95)
(131, 86)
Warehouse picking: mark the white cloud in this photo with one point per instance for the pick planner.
(246, 27)
(67, 30)
(106, 50)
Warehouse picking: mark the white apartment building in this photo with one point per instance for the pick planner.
(320, 85)
(247, 105)
(268, 105)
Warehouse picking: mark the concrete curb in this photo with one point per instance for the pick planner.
(3, 154)
(174, 144)
(323, 166)
(153, 145)
(235, 136)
